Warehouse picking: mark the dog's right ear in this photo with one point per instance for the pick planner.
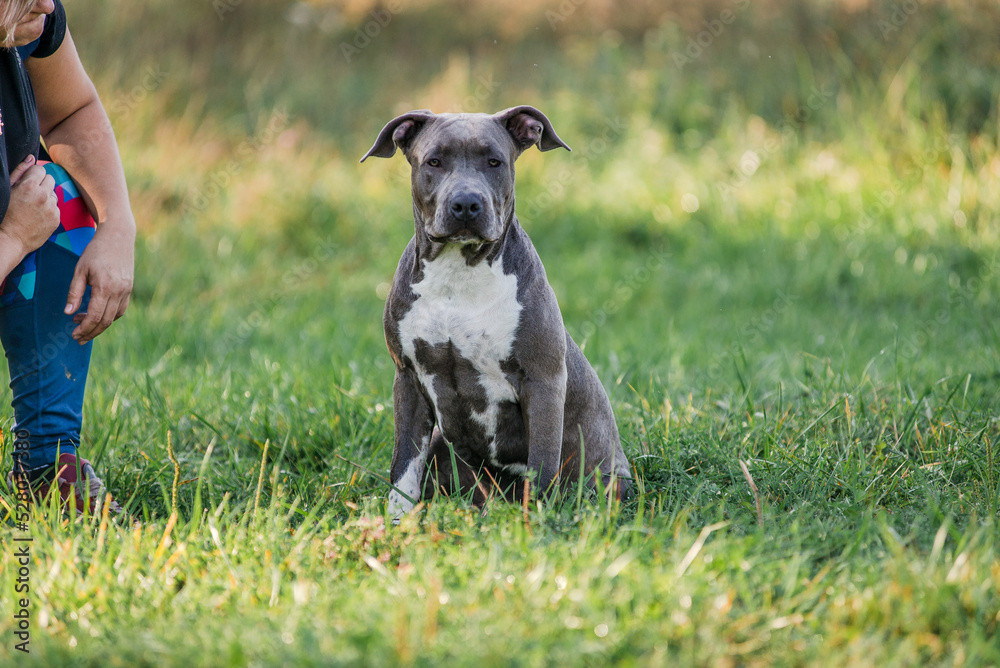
(400, 132)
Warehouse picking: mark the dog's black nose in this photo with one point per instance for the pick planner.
(466, 207)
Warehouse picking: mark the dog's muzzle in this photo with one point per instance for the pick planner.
(465, 218)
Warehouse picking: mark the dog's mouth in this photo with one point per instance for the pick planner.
(443, 227)
(461, 238)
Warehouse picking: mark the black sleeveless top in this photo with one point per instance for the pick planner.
(18, 116)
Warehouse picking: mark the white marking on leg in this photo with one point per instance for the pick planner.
(409, 484)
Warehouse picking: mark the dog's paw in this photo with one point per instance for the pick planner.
(398, 506)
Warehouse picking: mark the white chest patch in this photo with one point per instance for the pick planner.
(476, 309)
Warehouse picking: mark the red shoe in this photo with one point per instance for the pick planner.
(78, 486)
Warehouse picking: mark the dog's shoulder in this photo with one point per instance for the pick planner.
(533, 289)
(400, 297)
(521, 258)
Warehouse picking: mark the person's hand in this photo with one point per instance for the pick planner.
(33, 213)
(107, 266)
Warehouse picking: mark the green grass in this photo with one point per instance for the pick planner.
(827, 315)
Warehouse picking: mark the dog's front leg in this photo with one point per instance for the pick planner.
(414, 424)
(542, 405)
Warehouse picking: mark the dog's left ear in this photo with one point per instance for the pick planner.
(528, 127)
(400, 132)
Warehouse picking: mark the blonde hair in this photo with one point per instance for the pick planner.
(11, 12)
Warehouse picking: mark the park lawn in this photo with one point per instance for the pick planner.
(814, 301)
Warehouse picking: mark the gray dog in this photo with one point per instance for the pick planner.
(490, 389)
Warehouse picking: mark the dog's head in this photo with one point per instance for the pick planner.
(462, 167)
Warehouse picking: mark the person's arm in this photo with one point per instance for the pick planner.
(11, 253)
(31, 217)
(79, 137)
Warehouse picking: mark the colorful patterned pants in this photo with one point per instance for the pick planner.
(48, 369)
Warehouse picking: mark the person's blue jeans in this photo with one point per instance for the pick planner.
(48, 368)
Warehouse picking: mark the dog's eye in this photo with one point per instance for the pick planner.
(494, 162)
(434, 162)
